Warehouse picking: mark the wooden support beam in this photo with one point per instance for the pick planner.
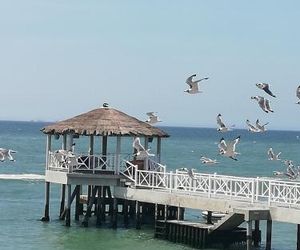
(62, 199)
(256, 235)
(68, 207)
(269, 235)
(76, 193)
(47, 202)
(63, 214)
(249, 235)
(99, 208)
(298, 236)
(137, 215)
(125, 213)
(85, 222)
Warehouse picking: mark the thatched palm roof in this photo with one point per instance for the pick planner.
(104, 121)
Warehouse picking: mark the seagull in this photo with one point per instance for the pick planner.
(220, 122)
(141, 151)
(252, 128)
(6, 153)
(263, 103)
(272, 156)
(228, 150)
(206, 160)
(190, 172)
(153, 118)
(298, 94)
(261, 128)
(193, 85)
(265, 87)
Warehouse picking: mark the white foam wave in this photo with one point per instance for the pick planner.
(22, 177)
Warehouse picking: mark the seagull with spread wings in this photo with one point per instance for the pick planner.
(273, 156)
(228, 150)
(263, 103)
(222, 126)
(152, 118)
(6, 153)
(260, 127)
(251, 127)
(298, 94)
(193, 85)
(141, 151)
(265, 87)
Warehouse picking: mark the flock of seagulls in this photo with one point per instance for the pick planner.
(228, 149)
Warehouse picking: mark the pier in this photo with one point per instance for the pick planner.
(113, 184)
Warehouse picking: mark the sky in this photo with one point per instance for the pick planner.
(61, 58)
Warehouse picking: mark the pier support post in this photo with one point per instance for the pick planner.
(77, 202)
(137, 215)
(88, 212)
(249, 234)
(125, 213)
(68, 208)
(99, 206)
(62, 200)
(298, 236)
(114, 213)
(209, 217)
(47, 202)
(256, 236)
(269, 235)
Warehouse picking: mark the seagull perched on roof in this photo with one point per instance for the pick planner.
(141, 151)
(265, 87)
(298, 94)
(228, 150)
(193, 85)
(6, 153)
(273, 156)
(263, 103)
(153, 118)
(206, 160)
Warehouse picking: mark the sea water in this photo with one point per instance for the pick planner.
(22, 187)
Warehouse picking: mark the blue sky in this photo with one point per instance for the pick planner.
(61, 58)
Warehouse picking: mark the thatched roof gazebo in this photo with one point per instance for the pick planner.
(102, 122)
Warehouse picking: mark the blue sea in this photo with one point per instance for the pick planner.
(22, 187)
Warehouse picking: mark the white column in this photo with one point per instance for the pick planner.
(48, 149)
(158, 150)
(118, 152)
(70, 142)
(146, 147)
(91, 148)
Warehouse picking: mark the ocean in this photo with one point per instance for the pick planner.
(22, 187)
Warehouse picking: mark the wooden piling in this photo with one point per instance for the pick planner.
(88, 212)
(137, 215)
(47, 202)
(256, 235)
(68, 208)
(62, 200)
(298, 236)
(249, 234)
(269, 235)
(114, 221)
(77, 202)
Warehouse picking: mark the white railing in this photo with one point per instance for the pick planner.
(85, 163)
(253, 190)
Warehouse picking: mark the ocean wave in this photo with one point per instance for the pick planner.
(22, 177)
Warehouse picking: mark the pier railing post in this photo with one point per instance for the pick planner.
(209, 186)
(170, 181)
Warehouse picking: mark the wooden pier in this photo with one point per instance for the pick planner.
(114, 185)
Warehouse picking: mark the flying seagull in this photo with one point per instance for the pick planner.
(222, 126)
(6, 153)
(228, 150)
(193, 85)
(265, 87)
(298, 94)
(263, 103)
(141, 151)
(152, 118)
(206, 160)
(261, 128)
(273, 156)
(251, 127)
